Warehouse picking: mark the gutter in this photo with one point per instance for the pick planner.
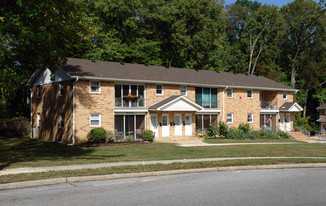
(223, 102)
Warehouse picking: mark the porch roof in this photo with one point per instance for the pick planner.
(321, 120)
(322, 106)
(290, 107)
(175, 103)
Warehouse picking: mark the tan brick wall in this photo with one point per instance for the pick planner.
(50, 106)
(240, 105)
(322, 113)
(87, 103)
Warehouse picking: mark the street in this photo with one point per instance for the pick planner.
(248, 187)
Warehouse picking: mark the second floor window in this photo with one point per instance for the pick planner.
(206, 97)
(129, 95)
(183, 90)
(250, 93)
(229, 93)
(95, 87)
(285, 95)
(159, 89)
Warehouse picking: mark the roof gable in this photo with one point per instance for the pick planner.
(175, 103)
(44, 77)
(290, 107)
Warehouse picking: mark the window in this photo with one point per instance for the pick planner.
(183, 90)
(38, 92)
(250, 118)
(229, 118)
(129, 95)
(250, 93)
(95, 87)
(206, 97)
(61, 89)
(95, 120)
(38, 119)
(60, 121)
(203, 122)
(159, 89)
(129, 126)
(285, 95)
(229, 93)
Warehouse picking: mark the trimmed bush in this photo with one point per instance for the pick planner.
(211, 131)
(234, 133)
(148, 135)
(15, 127)
(97, 135)
(222, 129)
(110, 136)
(267, 134)
(282, 134)
(245, 128)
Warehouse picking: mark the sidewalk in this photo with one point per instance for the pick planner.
(117, 164)
(200, 143)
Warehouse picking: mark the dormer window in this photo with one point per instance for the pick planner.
(95, 87)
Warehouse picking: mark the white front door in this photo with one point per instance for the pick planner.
(282, 122)
(154, 124)
(288, 122)
(165, 125)
(178, 125)
(188, 127)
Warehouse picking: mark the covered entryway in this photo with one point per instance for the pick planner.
(287, 109)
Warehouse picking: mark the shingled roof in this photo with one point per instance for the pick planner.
(89, 69)
(322, 106)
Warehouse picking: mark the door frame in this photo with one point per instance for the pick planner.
(288, 129)
(190, 125)
(180, 122)
(157, 130)
(167, 127)
(282, 124)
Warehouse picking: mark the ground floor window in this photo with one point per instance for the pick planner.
(203, 121)
(268, 122)
(129, 126)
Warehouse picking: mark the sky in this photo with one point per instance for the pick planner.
(274, 2)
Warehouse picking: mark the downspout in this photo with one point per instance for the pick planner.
(223, 103)
(74, 112)
(31, 107)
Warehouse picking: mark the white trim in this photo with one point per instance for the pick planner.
(186, 89)
(31, 107)
(269, 111)
(223, 104)
(252, 118)
(99, 87)
(252, 93)
(162, 90)
(181, 83)
(215, 111)
(127, 110)
(231, 93)
(39, 119)
(90, 119)
(227, 118)
(183, 98)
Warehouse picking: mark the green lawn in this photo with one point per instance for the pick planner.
(25, 152)
(221, 141)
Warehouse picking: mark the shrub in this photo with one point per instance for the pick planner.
(234, 133)
(267, 134)
(129, 139)
(282, 134)
(222, 129)
(245, 128)
(211, 131)
(97, 135)
(148, 135)
(205, 136)
(15, 127)
(109, 136)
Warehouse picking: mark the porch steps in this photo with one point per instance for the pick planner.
(176, 139)
(300, 137)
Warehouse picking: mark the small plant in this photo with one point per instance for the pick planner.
(97, 135)
(109, 136)
(245, 128)
(205, 136)
(200, 135)
(283, 134)
(222, 129)
(148, 135)
(211, 131)
(129, 139)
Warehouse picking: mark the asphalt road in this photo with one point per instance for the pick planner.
(248, 187)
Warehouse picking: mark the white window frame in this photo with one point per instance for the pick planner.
(38, 92)
(227, 95)
(90, 119)
(38, 119)
(99, 87)
(251, 92)
(161, 89)
(286, 95)
(231, 118)
(185, 90)
(61, 90)
(252, 117)
(61, 123)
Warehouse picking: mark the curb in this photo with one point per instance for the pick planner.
(36, 183)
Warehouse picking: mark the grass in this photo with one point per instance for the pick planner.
(25, 152)
(221, 141)
(148, 168)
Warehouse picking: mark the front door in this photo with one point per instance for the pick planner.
(178, 125)
(288, 122)
(188, 123)
(282, 122)
(154, 124)
(322, 128)
(165, 125)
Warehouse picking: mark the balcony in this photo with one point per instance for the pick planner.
(129, 102)
(207, 104)
(268, 105)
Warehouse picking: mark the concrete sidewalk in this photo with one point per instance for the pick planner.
(200, 143)
(117, 164)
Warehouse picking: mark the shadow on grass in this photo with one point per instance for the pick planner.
(15, 150)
